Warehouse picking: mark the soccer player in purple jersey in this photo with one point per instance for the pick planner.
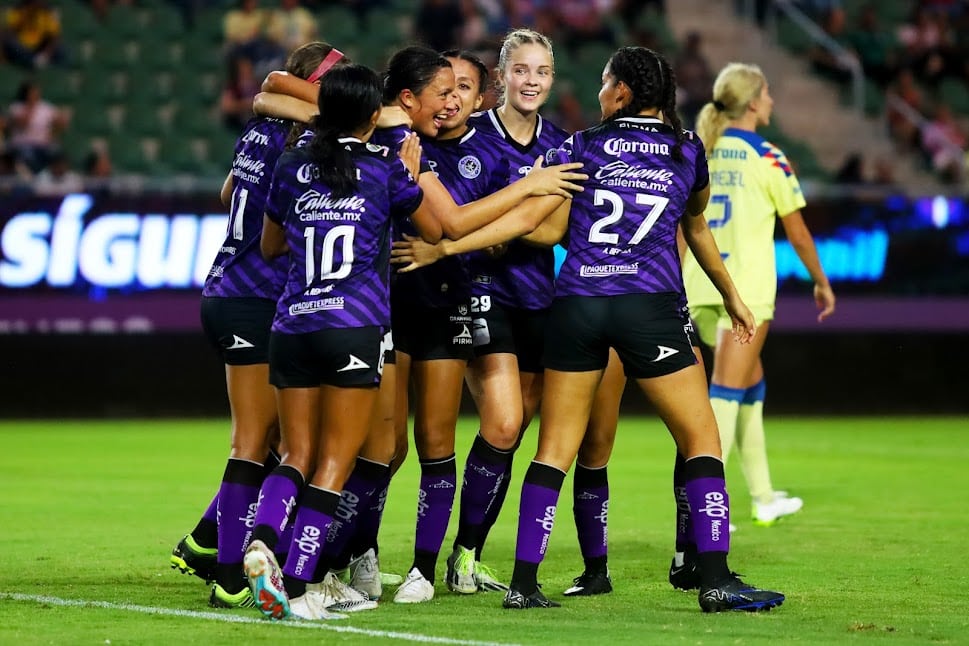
(513, 288)
(238, 302)
(621, 287)
(432, 333)
(330, 208)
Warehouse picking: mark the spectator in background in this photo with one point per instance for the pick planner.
(98, 169)
(15, 177)
(569, 114)
(694, 78)
(241, 87)
(876, 48)
(35, 125)
(902, 129)
(581, 21)
(31, 35)
(244, 33)
(58, 178)
(825, 62)
(439, 24)
(925, 39)
(291, 25)
(944, 143)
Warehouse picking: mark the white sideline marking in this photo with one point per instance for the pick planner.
(236, 619)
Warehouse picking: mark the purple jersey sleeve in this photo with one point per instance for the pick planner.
(622, 227)
(470, 167)
(239, 269)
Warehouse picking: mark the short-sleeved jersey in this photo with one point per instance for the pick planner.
(470, 167)
(339, 259)
(239, 269)
(523, 277)
(622, 227)
(751, 183)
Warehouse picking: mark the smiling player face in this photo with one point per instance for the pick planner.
(467, 94)
(434, 104)
(528, 77)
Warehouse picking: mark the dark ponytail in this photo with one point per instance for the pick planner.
(650, 78)
(349, 95)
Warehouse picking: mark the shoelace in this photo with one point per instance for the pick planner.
(481, 568)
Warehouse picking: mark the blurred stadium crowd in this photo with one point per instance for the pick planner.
(152, 91)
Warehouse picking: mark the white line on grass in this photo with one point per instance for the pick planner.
(236, 619)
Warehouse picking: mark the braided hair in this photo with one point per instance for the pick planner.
(650, 78)
(349, 95)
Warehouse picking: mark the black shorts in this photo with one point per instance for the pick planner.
(390, 352)
(498, 328)
(688, 326)
(647, 331)
(345, 357)
(429, 333)
(239, 328)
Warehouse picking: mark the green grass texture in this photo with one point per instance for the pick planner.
(91, 510)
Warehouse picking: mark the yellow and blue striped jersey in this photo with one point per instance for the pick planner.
(751, 183)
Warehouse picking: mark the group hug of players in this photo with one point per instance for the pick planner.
(397, 244)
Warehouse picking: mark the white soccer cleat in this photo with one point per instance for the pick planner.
(335, 595)
(365, 575)
(308, 608)
(414, 589)
(768, 513)
(266, 581)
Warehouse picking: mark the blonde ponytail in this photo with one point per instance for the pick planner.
(736, 86)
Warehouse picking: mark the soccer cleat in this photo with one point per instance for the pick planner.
(188, 557)
(308, 607)
(686, 576)
(389, 578)
(766, 514)
(515, 600)
(414, 589)
(364, 575)
(222, 599)
(266, 581)
(335, 595)
(590, 583)
(734, 594)
(487, 579)
(460, 571)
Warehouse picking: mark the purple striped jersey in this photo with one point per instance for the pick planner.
(239, 269)
(339, 258)
(622, 227)
(470, 167)
(524, 275)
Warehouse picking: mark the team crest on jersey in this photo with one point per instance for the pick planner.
(463, 310)
(469, 167)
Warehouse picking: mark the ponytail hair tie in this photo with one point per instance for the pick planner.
(719, 106)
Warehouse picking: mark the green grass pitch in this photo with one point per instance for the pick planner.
(91, 510)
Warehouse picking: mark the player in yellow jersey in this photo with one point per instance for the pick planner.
(752, 185)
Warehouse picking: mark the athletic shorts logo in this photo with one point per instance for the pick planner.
(469, 167)
(238, 343)
(464, 337)
(664, 352)
(354, 364)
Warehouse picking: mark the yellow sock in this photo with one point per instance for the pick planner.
(725, 403)
(752, 445)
